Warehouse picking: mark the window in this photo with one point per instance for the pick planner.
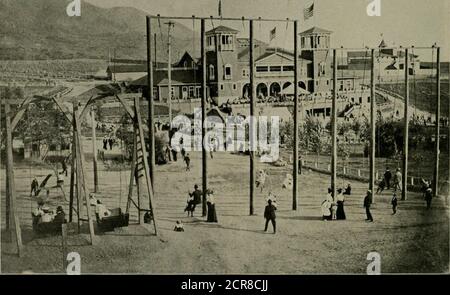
(172, 92)
(185, 64)
(245, 73)
(288, 68)
(360, 99)
(261, 69)
(275, 69)
(210, 43)
(368, 99)
(211, 72)
(227, 42)
(234, 86)
(227, 72)
(191, 91)
(198, 91)
(321, 69)
(221, 86)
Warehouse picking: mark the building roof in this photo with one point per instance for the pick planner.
(179, 77)
(130, 68)
(222, 29)
(315, 30)
(382, 44)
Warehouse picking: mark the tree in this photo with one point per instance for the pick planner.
(316, 136)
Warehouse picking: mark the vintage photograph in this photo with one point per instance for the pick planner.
(225, 137)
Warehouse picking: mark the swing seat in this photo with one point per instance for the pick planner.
(52, 227)
(115, 220)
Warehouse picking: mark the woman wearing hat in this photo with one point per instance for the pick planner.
(212, 216)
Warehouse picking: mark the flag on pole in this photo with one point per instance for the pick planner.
(308, 11)
(220, 7)
(273, 34)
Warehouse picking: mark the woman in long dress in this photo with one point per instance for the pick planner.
(212, 216)
(340, 199)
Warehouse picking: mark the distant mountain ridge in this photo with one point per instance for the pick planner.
(41, 29)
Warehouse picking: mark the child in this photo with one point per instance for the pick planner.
(333, 211)
(178, 226)
(394, 204)
(187, 159)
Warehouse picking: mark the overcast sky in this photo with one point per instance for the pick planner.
(402, 22)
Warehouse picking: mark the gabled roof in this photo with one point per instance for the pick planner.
(179, 77)
(382, 44)
(269, 54)
(222, 29)
(391, 67)
(316, 30)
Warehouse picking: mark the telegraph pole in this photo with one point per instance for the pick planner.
(169, 24)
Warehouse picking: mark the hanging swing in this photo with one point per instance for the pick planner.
(44, 220)
(114, 217)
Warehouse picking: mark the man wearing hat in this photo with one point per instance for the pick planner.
(367, 203)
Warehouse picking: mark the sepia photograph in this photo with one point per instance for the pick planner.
(225, 137)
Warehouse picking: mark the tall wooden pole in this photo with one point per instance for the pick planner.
(151, 109)
(204, 97)
(72, 177)
(81, 185)
(295, 162)
(169, 71)
(154, 48)
(334, 127)
(438, 119)
(372, 123)
(252, 121)
(406, 130)
(12, 214)
(94, 149)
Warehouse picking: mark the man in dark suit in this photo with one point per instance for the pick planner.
(387, 178)
(367, 203)
(269, 215)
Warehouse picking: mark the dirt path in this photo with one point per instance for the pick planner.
(414, 240)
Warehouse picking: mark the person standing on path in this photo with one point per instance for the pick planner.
(105, 143)
(212, 215)
(367, 204)
(269, 215)
(398, 180)
(387, 178)
(394, 203)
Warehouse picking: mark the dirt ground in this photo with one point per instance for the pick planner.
(412, 241)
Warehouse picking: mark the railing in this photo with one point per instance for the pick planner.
(360, 174)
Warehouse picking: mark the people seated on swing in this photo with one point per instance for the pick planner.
(210, 202)
(43, 213)
(287, 182)
(194, 198)
(178, 226)
(348, 190)
(101, 211)
(381, 185)
(261, 179)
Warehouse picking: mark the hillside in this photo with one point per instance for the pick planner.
(41, 29)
